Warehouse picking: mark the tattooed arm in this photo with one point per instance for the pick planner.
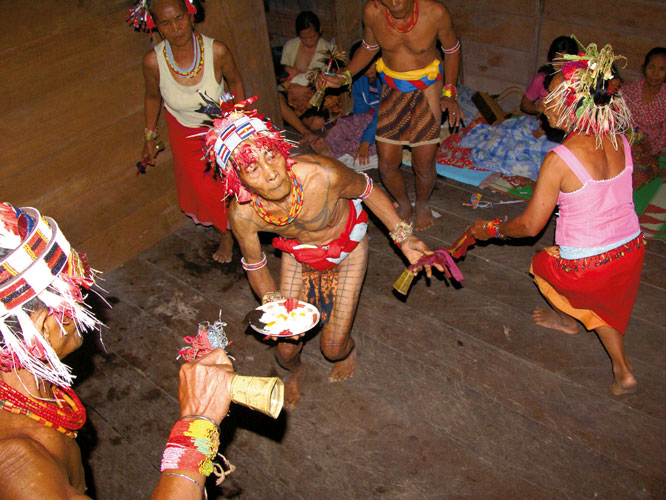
(246, 230)
(352, 185)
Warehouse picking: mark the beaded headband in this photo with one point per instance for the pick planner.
(233, 124)
(589, 99)
(40, 263)
(140, 19)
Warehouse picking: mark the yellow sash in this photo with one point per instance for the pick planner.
(431, 71)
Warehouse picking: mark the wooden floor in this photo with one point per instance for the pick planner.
(457, 395)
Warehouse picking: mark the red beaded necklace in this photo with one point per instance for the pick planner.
(294, 210)
(410, 25)
(63, 419)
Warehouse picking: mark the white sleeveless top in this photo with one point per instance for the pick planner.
(182, 101)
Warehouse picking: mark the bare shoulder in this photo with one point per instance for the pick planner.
(315, 165)
(219, 49)
(22, 460)
(370, 11)
(552, 163)
(150, 61)
(239, 212)
(433, 8)
(323, 172)
(436, 12)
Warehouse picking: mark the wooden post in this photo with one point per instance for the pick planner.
(242, 27)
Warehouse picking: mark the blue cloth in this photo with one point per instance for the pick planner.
(508, 148)
(366, 97)
(469, 109)
(464, 175)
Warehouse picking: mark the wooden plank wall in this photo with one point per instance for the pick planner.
(504, 43)
(281, 18)
(341, 20)
(71, 118)
(72, 93)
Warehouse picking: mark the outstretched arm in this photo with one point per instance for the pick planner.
(538, 210)
(204, 391)
(364, 54)
(353, 185)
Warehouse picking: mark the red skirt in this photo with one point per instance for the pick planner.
(200, 196)
(598, 290)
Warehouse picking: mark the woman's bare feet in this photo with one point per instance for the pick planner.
(292, 387)
(224, 252)
(554, 320)
(343, 369)
(626, 384)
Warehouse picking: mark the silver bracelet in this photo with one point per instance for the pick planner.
(201, 417)
(203, 491)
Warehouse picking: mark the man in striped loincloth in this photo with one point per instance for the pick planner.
(415, 93)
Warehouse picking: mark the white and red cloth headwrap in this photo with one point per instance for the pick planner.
(140, 19)
(237, 124)
(42, 264)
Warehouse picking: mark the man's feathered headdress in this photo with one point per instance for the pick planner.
(39, 263)
(233, 124)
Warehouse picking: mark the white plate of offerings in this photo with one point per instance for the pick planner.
(286, 318)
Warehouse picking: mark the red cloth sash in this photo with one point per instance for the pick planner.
(323, 257)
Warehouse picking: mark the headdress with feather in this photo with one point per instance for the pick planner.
(233, 124)
(140, 19)
(589, 99)
(40, 263)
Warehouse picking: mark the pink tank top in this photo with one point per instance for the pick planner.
(601, 212)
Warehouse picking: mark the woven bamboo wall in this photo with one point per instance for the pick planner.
(71, 117)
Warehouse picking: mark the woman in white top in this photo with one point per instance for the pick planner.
(174, 71)
(299, 55)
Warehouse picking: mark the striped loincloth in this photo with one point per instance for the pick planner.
(406, 118)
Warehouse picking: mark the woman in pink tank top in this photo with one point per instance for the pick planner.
(593, 273)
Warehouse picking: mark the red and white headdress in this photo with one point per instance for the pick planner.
(140, 19)
(40, 263)
(234, 124)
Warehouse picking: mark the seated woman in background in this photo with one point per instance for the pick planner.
(537, 90)
(646, 99)
(593, 275)
(299, 55)
(354, 135)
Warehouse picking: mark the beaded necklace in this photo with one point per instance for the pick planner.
(294, 210)
(64, 420)
(197, 60)
(410, 25)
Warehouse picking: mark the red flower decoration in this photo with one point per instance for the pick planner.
(569, 68)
